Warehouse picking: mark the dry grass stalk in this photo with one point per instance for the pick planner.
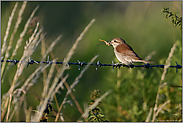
(71, 94)
(25, 87)
(19, 41)
(19, 19)
(3, 107)
(161, 107)
(34, 34)
(71, 52)
(34, 80)
(80, 75)
(149, 115)
(47, 81)
(44, 54)
(73, 85)
(15, 110)
(28, 114)
(60, 85)
(67, 86)
(43, 51)
(167, 64)
(43, 47)
(51, 47)
(4, 47)
(150, 55)
(28, 50)
(14, 81)
(21, 36)
(30, 78)
(38, 115)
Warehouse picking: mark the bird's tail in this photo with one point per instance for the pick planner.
(145, 61)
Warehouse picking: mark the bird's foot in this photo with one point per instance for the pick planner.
(119, 64)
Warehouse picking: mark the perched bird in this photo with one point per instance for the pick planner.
(124, 52)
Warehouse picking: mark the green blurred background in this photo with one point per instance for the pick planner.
(141, 24)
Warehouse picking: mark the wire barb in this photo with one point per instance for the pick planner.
(48, 61)
(98, 64)
(81, 64)
(31, 61)
(178, 67)
(15, 62)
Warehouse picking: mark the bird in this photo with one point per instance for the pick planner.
(124, 52)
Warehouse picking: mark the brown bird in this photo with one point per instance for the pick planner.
(124, 52)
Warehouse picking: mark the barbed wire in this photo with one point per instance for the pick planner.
(97, 64)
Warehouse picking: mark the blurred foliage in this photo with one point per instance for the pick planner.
(142, 26)
(176, 20)
(95, 115)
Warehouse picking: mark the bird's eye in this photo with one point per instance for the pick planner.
(115, 40)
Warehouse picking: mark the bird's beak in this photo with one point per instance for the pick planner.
(109, 43)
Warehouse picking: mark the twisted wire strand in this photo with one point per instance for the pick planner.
(97, 64)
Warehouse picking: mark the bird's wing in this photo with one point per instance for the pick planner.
(127, 51)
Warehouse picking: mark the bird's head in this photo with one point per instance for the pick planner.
(116, 41)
